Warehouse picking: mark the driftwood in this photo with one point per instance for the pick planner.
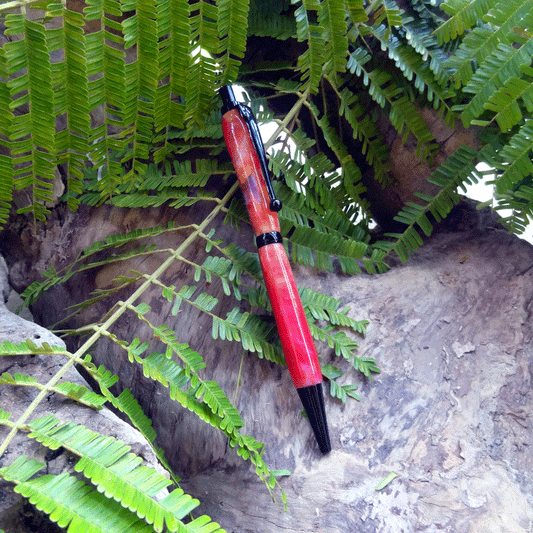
(450, 413)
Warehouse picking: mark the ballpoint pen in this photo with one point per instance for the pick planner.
(245, 146)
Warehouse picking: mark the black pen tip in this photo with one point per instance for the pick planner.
(313, 402)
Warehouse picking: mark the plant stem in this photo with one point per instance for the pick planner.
(77, 356)
(123, 306)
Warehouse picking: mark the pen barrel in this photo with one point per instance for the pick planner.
(296, 340)
(249, 173)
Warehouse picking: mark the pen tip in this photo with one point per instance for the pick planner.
(313, 401)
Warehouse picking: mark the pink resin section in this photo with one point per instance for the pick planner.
(296, 340)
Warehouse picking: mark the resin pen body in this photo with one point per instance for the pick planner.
(246, 150)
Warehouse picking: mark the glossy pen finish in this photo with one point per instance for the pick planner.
(246, 150)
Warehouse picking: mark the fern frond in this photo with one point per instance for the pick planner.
(52, 277)
(356, 11)
(244, 261)
(311, 62)
(30, 348)
(344, 347)
(403, 115)
(504, 62)
(71, 503)
(76, 93)
(464, 15)
(33, 148)
(297, 210)
(515, 159)
(180, 11)
(266, 19)
(456, 171)
(254, 334)
(116, 472)
(232, 28)
(204, 398)
(349, 189)
(421, 37)
(505, 101)
(516, 209)
(70, 390)
(347, 251)
(504, 19)
(332, 18)
(306, 175)
(338, 391)
(415, 67)
(323, 307)
(391, 14)
(211, 393)
(21, 469)
(202, 76)
(364, 129)
(6, 186)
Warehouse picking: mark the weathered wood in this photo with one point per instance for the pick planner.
(450, 413)
(16, 514)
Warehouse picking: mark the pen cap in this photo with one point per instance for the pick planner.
(228, 98)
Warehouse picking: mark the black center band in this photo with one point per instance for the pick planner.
(271, 237)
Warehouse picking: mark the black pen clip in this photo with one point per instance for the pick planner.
(229, 101)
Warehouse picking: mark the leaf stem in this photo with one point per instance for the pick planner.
(77, 356)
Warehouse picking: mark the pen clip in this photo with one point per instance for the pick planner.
(230, 102)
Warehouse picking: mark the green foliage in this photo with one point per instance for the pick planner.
(120, 494)
(179, 369)
(129, 114)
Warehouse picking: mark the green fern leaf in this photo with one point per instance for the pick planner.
(389, 12)
(33, 158)
(331, 244)
(232, 28)
(373, 147)
(311, 62)
(515, 158)
(75, 392)
(505, 101)
(479, 43)
(21, 469)
(117, 473)
(464, 15)
(350, 188)
(403, 115)
(338, 391)
(356, 11)
(6, 185)
(458, 170)
(33, 291)
(418, 71)
(29, 347)
(332, 17)
(267, 19)
(180, 11)
(71, 503)
(517, 209)
(505, 62)
(75, 92)
(323, 307)
(4, 417)
(211, 393)
(202, 75)
(296, 210)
